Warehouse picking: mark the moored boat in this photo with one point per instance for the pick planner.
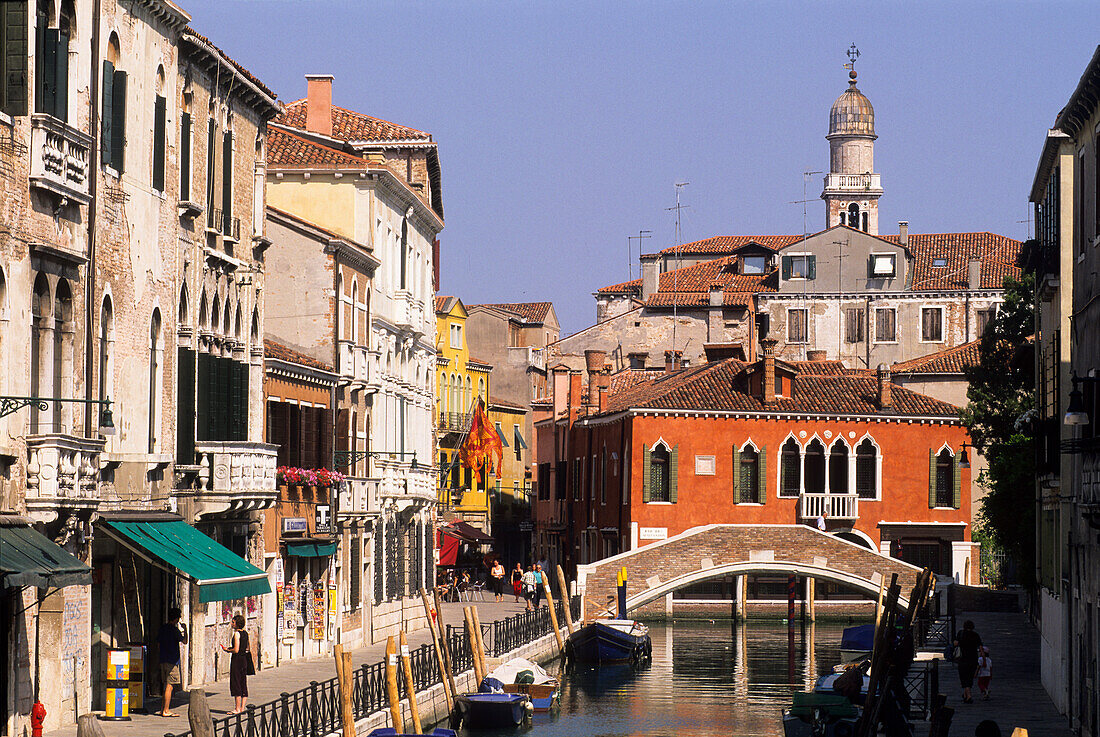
(857, 642)
(816, 714)
(391, 732)
(489, 710)
(520, 675)
(610, 641)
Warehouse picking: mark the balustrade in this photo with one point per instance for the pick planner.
(836, 506)
(62, 471)
(59, 158)
(853, 182)
(235, 475)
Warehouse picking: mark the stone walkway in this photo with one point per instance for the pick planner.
(267, 685)
(1017, 698)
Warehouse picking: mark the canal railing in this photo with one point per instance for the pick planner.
(314, 711)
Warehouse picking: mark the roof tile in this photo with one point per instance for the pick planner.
(280, 352)
(348, 125)
(950, 361)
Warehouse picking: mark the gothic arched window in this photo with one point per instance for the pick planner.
(791, 468)
(838, 468)
(866, 470)
(815, 467)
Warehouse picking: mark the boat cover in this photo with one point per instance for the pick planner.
(509, 671)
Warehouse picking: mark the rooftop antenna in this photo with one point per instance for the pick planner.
(805, 199)
(629, 253)
(679, 260)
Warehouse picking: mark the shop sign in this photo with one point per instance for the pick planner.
(323, 519)
(320, 606)
(288, 613)
(295, 524)
(653, 533)
(526, 526)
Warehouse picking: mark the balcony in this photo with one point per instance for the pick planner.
(59, 158)
(234, 477)
(835, 506)
(853, 183)
(454, 421)
(62, 473)
(396, 482)
(408, 313)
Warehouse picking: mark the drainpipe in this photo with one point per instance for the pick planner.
(89, 269)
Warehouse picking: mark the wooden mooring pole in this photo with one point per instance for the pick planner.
(435, 643)
(446, 644)
(410, 684)
(553, 614)
(565, 599)
(391, 685)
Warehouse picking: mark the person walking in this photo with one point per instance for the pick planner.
(529, 586)
(969, 644)
(538, 585)
(517, 581)
(985, 672)
(169, 637)
(240, 664)
(497, 576)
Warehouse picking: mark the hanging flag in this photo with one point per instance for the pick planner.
(482, 442)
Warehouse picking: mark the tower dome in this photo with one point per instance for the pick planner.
(852, 113)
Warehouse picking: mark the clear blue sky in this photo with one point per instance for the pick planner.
(563, 126)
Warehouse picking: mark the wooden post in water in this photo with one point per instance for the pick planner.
(410, 684)
(446, 645)
(480, 642)
(553, 614)
(742, 594)
(391, 685)
(878, 607)
(565, 599)
(471, 637)
(344, 676)
(435, 644)
(811, 597)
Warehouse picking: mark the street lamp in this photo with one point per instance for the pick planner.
(346, 458)
(1076, 413)
(964, 459)
(10, 405)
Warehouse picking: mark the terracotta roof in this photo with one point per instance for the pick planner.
(471, 361)
(244, 72)
(348, 125)
(728, 243)
(287, 150)
(441, 303)
(949, 361)
(504, 404)
(722, 386)
(634, 286)
(627, 378)
(529, 311)
(690, 286)
(825, 368)
(280, 352)
(1000, 258)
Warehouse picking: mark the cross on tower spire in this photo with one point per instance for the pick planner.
(853, 54)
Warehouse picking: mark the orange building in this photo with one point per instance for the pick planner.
(644, 455)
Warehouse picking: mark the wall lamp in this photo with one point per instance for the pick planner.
(1076, 412)
(9, 405)
(964, 457)
(345, 458)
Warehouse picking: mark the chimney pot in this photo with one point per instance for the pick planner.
(885, 401)
(319, 103)
(650, 276)
(974, 273)
(768, 388)
(817, 356)
(903, 232)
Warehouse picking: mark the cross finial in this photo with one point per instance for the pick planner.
(853, 54)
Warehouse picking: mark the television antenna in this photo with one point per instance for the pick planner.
(679, 257)
(642, 234)
(805, 179)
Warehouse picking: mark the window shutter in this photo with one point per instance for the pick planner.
(736, 475)
(762, 475)
(118, 120)
(185, 407)
(41, 24)
(647, 492)
(159, 113)
(61, 76)
(811, 267)
(324, 459)
(673, 472)
(202, 392)
(227, 181)
(785, 261)
(46, 68)
(956, 483)
(15, 57)
(931, 479)
(107, 114)
(870, 267)
(210, 165)
(185, 157)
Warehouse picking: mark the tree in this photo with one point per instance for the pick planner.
(998, 415)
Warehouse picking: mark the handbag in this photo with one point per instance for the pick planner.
(249, 664)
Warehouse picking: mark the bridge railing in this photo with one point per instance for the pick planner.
(835, 506)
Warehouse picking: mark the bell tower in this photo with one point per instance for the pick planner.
(852, 188)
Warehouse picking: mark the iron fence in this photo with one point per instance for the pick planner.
(314, 711)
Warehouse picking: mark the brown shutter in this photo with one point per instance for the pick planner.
(159, 115)
(118, 121)
(325, 438)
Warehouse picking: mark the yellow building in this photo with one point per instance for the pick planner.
(509, 495)
(460, 381)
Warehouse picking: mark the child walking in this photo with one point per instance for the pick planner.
(985, 672)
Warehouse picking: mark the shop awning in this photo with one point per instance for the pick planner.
(466, 532)
(29, 558)
(219, 573)
(310, 548)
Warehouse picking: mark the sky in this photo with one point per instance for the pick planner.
(564, 127)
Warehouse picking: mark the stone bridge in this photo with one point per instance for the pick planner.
(657, 569)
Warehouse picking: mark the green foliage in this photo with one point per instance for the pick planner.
(1001, 399)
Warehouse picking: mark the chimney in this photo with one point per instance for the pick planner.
(903, 232)
(603, 398)
(319, 103)
(884, 399)
(817, 356)
(974, 273)
(650, 275)
(768, 344)
(575, 395)
(560, 390)
(594, 361)
(670, 361)
(717, 295)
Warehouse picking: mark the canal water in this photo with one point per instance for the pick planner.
(706, 678)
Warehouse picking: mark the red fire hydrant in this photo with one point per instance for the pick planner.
(38, 718)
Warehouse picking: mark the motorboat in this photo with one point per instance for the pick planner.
(610, 641)
(814, 714)
(490, 710)
(857, 642)
(391, 732)
(520, 675)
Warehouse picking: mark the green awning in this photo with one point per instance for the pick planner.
(520, 443)
(220, 573)
(310, 548)
(29, 558)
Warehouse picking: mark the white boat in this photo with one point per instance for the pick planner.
(520, 675)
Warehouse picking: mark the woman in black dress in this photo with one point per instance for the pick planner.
(238, 664)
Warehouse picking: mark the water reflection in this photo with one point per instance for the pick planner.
(706, 678)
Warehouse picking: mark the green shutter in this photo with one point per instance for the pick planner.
(46, 69)
(931, 479)
(227, 181)
(15, 56)
(736, 475)
(40, 26)
(60, 76)
(785, 261)
(647, 492)
(221, 399)
(107, 114)
(118, 120)
(673, 472)
(762, 476)
(811, 267)
(185, 406)
(956, 485)
(185, 157)
(210, 166)
(203, 410)
(159, 113)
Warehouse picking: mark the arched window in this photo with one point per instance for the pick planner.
(41, 308)
(791, 469)
(404, 251)
(866, 470)
(481, 390)
(853, 215)
(226, 316)
(864, 225)
(62, 349)
(815, 467)
(341, 322)
(748, 476)
(354, 337)
(106, 348)
(838, 468)
(154, 378)
(182, 319)
(945, 479)
(237, 323)
(214, 314)
(660, 473)
(255, 327)
(469, 398)
(202, 311)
